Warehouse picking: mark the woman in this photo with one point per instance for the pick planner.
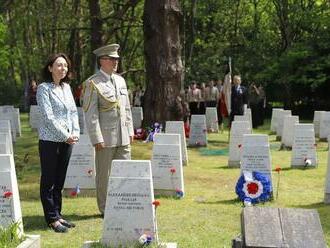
(58, 131)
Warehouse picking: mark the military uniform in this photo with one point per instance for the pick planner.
(108, 120)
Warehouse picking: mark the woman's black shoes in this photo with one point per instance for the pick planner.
(59, 228)
(67, 224)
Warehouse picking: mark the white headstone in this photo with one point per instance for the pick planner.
(212, 124)
(9, 116)
(325, 125)
(137, 115)
(316, 121)
(167, 171)
(288, 130)
(243, 118)
(274, 120)
(237, 130)
(280, 122)
(6, 147)
(248, 113)
(81, 118)
(304, 146)
(327, 180)
(5, 128)
(256, 154)
(129, 212)
(177, 127)
(167, 139)
(10, 207)
(198, 131)
(81, 169)
(18, 122)
(35, 116)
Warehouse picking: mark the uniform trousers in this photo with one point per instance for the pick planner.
(103, 161)
(54, 160)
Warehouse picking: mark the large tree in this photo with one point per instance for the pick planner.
(162, 58)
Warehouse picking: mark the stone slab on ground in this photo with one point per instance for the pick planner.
(31, 241)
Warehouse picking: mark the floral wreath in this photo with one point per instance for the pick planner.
(254, 189)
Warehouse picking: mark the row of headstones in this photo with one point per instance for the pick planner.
(10, 114)
(280, 121)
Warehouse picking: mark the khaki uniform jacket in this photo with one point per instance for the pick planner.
(107, 110)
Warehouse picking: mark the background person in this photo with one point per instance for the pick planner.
(58, 131)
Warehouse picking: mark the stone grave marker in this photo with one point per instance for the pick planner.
(324, 125)
(129, 211)
(288, 130)
(280, 123)
(5, 128)
(244, 118)
(327, 180)
(8, 114)
(10, 206)
(249, 114)
(198, 131)
(212, 120)
(177, 127)
(281, 227)
(256, 154)
(167, 171)
(304, 146)
(18, 122)
(81, 170)
(6, 147)
(238, 129)
(274, 120)
(34, 117)
(137, 115)
(81, 119)
(316, 122)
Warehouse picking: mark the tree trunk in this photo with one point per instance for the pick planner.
(96, 29)
(162, 59)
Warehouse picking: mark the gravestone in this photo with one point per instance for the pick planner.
(137, 115)
(280, 123)
(256, 154)
(288, 130)
(198, 131)
(18, 122)
(6, 147)
(316, 122)
(327, 180)
(304, 146)
(81, 119)
(81, 169)
(34, 117)
(266, 227)
(274, 120)
(5, 128)
(6, 114)
(177, 127)
(10, 207)
(166, 165)
(212, 120)
(248, 113)
(129, 210)
(324, 125)
(244, 118)
(238, 129)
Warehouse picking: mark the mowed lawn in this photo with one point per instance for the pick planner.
(208, 215)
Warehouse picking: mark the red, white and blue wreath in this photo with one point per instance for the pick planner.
(253, 187)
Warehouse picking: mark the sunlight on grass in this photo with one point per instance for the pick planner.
(208, 215)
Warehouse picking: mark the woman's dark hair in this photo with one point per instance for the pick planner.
(47, 75)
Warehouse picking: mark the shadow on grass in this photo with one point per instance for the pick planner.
(227, 202)
(37, 222)
(218, 142)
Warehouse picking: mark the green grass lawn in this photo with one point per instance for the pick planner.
(208, 215)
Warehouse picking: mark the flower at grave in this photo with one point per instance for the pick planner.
(179, 193)
(172, 170)
(90, 172)
(198, 143)
(239, 145)
(156, 203)
(145, 239)
(75, 192)
(278, 169)
(7, 194)
(254, 190)
(308, 162)
(315, 145)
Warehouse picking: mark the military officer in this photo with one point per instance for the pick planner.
(108, 117)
